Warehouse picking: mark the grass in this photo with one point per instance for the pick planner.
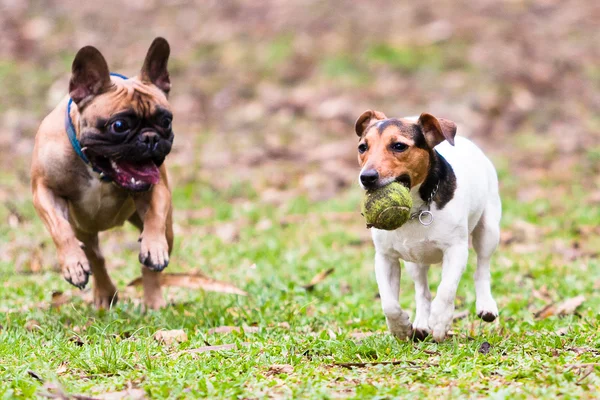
(309, 331)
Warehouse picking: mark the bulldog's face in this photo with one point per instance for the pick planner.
(124, 125)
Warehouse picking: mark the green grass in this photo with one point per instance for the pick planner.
(528, 357)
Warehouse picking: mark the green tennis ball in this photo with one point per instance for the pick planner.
(388, 207)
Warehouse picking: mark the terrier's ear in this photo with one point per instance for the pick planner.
(154, 69)
(366, 119)
(436, 130)
(89, 76)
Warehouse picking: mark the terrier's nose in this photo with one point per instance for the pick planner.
(150, 139)
(369, 178)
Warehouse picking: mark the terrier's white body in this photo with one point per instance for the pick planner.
(474, 210)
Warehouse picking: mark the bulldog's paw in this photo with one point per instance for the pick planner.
(76, 268)
(487, 309)
(154, 253)
(440, 320)
(105, 298)
(154, 301)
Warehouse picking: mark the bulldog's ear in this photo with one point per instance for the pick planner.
(436, 130)
(89, 76)
(155, 65)
(366, 119)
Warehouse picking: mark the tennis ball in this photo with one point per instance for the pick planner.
(388, 207)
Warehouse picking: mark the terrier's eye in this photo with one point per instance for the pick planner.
(362, 148)
(399, 147)
(119, 126)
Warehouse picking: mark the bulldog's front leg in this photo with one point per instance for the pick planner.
(387, 273)
(54, 212)
(156, 240)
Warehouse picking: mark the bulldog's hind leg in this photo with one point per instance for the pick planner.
(105, 292)
(486, 236)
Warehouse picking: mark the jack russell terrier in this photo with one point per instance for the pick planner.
(454, 188)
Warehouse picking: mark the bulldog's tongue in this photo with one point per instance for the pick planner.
(146, 171)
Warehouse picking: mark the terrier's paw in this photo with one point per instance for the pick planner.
(154, 253)
(76, 268)
(398, 323)
(487, 309)
(420, 334)
(440, 320)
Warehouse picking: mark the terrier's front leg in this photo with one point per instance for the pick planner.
(442, 307)
(387, 273)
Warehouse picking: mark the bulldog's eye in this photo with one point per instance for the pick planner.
(399, 147)
(362, 148)
(165, 123)
(119, 126)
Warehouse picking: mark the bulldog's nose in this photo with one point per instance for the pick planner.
(150, 139)
(369, 178)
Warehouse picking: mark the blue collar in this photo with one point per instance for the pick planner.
(72, 134)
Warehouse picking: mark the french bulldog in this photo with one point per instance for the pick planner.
(98, 161)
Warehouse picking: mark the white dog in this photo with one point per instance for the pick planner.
(454, 188)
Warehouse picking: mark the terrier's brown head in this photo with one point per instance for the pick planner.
(124, 125)
(399, 150)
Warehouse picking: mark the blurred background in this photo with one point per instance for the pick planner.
(265, 93)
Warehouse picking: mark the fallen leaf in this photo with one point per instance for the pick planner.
(205, 349)
(32, 325)
(360, 335)
(277, 369)
(566, 307)
(194, 281)
(283, 325)
(351, 365)
(129, 394)
(62, 368)
(461, 315)
(485, 348)
(59, 298)
(227, 232)
(35, 376)
(228, 329)
(77, 340)
(320, 277)
(171, 337)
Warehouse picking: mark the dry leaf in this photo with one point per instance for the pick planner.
(485, 348)
(171, 337)
(277, 369)
(205, 349)
(32, 324)
(228, 329)
(59, 298)
(227, 232)
(129, 394)
(360, 335)
(460, 315)
(320, 277)
(62, 368)
(194, 281)
(567, 307)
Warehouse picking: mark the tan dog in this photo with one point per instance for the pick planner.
(98, 162)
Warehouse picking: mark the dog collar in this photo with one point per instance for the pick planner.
(72, 134)
(424, 212)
